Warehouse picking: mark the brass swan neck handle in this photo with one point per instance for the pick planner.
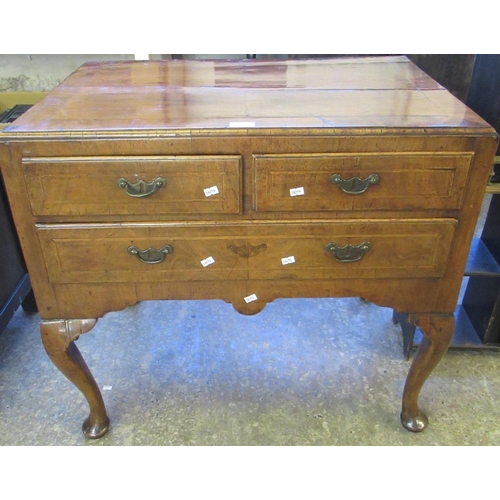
(354, 185)
(150, 255)
(348, 253)
(141, 188)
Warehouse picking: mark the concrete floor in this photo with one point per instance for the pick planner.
(301, 372)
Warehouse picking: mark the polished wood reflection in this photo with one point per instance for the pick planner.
(329, 93)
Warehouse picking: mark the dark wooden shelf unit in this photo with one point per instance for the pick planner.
(477, 317)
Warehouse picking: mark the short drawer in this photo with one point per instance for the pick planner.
(344, 249)
(363, 181)
(134, 185)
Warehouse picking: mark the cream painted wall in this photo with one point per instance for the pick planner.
(41, 73)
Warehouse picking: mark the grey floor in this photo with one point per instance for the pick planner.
(301, 372)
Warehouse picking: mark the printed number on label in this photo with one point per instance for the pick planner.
(211, 191)
(206, 262)
(297, 191)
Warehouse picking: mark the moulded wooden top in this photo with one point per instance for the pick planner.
(249, 95)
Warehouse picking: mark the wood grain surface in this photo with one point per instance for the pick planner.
(359, 92)
(269, 136)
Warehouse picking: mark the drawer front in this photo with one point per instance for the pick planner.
(100, 253)
(134, 185)
(417, 248)
(340, 249)
(365, 181)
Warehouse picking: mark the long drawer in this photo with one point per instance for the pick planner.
(134, 185)
(360, 181)
(234, 251)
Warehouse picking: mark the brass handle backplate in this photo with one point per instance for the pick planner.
(348, 253)
(150, 255)
(354, 185)
(141, 188)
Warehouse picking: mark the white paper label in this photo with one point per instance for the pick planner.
(206, 262)
(288, 260)
(297, 191)
(251, 298)
(107, 388)
(242, 124)
(211, 191)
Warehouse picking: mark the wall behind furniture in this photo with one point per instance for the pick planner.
(452, 71)
(43, 72)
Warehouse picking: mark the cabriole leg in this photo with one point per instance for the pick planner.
(58, 339)
(438, 331)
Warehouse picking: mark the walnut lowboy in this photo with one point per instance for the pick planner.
(133, 181)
